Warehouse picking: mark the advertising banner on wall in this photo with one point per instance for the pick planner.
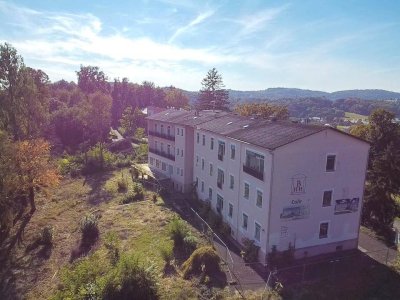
(345, 206)
(295, 212)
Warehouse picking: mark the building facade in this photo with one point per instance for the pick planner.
(280, 184)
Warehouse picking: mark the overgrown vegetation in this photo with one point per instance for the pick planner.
(203, 260)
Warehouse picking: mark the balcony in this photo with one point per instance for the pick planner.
(162, 135)
(253, 172)
(162, 153)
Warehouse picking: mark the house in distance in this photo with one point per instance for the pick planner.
(279, 183)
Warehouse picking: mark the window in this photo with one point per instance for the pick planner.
(245, 220)
(155, 127)
(202, 186)
(254, 164)
(169, 130)
(327, 199)
(182, 152)
(259, 199)
(330, 163)
(151, 160)
(231, 182)
(211, 169)
(155, 144)
(202, 163)
(233, 150)
(162, 147)
(220, 204)
(323, 230)
(169, 149)
(204, 140)
(181, 172)
(177, 131)
(210, 192)
(197, 160)
(212, 144)
(220, 178)
(198, 138)
(177, 151)
(157, 163)
(221, 150)
(177, 171)
(162, 129)
(164, 166)
(246, 190)
(257, 231)
(182, 132)
(170, 169)
(197, 181)
(230, 211)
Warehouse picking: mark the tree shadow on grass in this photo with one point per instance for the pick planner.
(83, 247)
(98, 194)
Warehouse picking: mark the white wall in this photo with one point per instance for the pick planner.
(307, 156)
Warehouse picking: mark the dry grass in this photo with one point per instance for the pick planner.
(141, 227)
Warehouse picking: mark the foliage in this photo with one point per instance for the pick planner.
(136, 194)
(212, 94)
(97, 159)
(122, 183)
(167, 254)
(178, 230)
(175, 98)
(141, 152)
(264, 110)
(139, 133)
(203, 259)
(383, 176)
(89, 228)
(112, 243)
(250, 250)
(91, 80)
(131, 120)
(190, 242)
(46, 236)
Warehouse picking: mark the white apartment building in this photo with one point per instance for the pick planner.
(277, 183)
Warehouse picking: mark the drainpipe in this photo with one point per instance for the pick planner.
(270, 203)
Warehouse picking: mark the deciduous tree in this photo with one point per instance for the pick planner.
(264, 110)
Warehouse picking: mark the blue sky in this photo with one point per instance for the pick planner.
(321, 45)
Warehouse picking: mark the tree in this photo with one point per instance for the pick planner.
(33, 168)
(175, 98)
(212, 94)
(98, 120)
(10, 105)
(264, 110)
(383, 176)
(131, 120)
(91, 80)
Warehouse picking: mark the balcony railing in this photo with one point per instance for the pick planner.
(253, 172)
(162, 153)
(162, 135)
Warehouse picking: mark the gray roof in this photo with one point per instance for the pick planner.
(257, 131)
(184, 117)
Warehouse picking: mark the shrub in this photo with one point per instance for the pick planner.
(154, 198)
(167, 254)
(112, 242)
(190, 242)
(203, 259)
(122, 183)
(225, 229)
(46, 236)
(178, 230)
(136, 194)
(250, 250)
(214, 219)
(89, 228)
(131, 280)
(128, 198)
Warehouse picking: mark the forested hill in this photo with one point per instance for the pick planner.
(293, 93)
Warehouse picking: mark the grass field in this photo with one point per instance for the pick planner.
(140, 226)
(349, 115)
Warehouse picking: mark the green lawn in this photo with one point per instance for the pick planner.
(349, 115)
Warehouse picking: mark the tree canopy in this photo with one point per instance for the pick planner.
(264, 110)
(212, 94)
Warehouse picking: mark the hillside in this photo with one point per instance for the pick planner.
(294, 93)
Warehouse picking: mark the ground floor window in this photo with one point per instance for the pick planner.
(151, 160)
(202, 186)
(157, 163)
(230, 212)
(257, 231)
(323, 230)
(245, 219)
(220, 204)
(210, 193)
(164, 166)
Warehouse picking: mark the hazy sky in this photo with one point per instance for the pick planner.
(322, 45)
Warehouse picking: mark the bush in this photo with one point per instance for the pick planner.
(46, 236)
(250, 251)
(190, 242)
(178, 230)
(112, 242)
(89, 228)
(122, 183)
(155, 197)
(213, 219)
(131, 280)
(136, 194)
(167, 254)
(204, 259)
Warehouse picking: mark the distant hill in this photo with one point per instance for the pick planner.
(293, 93)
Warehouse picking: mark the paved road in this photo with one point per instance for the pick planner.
(376, 249)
